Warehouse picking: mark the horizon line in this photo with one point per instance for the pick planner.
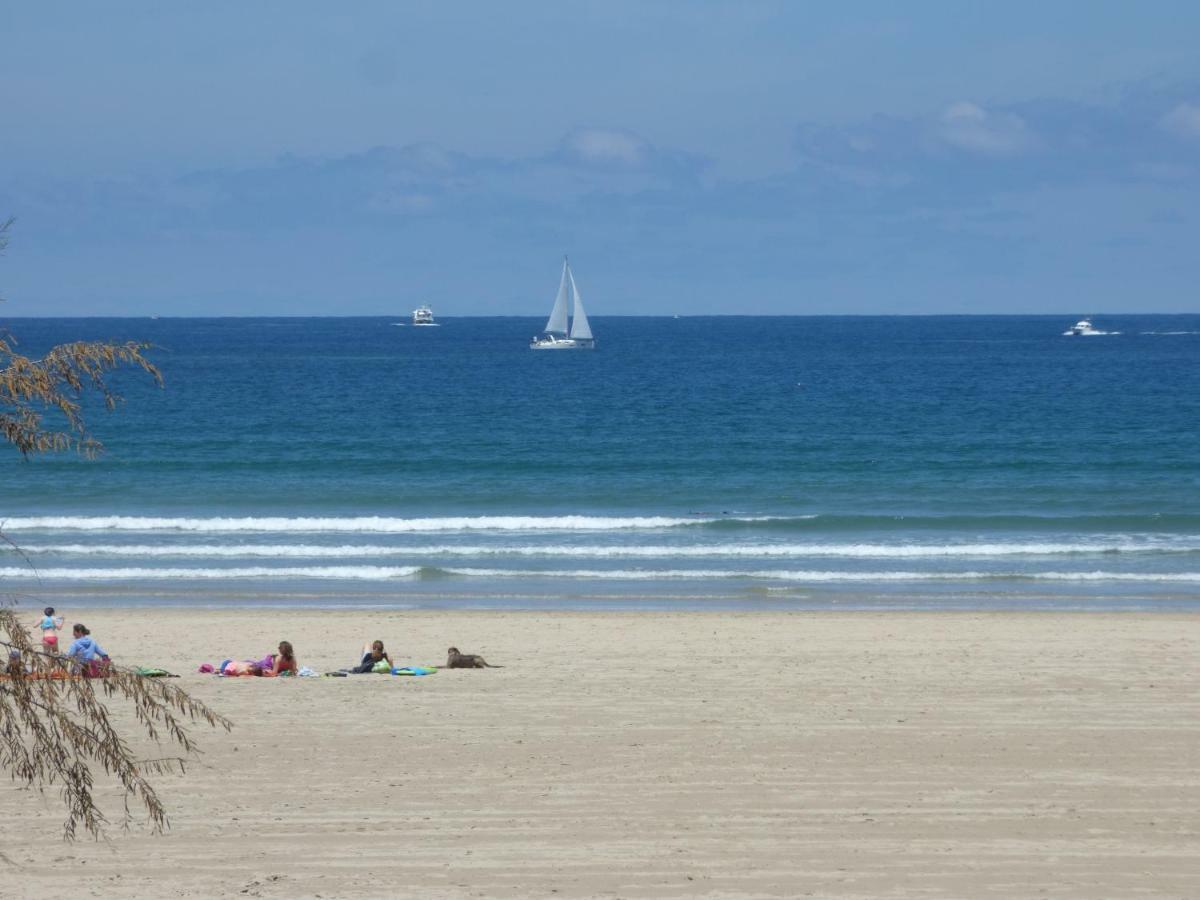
(957, 315)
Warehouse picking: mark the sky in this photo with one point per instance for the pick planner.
(304, 158)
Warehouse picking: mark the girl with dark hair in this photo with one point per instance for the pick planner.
(372, 657)
(50, 625)
(283, 662)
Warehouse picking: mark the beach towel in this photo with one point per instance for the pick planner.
(398, 670)
(55, 675)
(153, 672)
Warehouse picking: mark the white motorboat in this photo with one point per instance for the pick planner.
(1082, 328)
(423, 315)
(558, 335)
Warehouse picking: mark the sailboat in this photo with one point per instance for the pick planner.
(556, 335)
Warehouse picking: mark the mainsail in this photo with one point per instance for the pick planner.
(557, 323)
(580, 330)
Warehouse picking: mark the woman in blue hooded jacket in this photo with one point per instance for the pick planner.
(88, 656)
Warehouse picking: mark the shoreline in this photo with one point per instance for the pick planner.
(550, 596)
(645, 754)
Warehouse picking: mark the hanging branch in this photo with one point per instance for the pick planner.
(55, 730)
(57, 382)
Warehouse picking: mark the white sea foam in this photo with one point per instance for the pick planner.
(358, 573)
(699, 551)
(352, 524)
(824, 576)
(382, 573)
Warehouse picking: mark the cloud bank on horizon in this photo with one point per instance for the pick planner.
(763, 158)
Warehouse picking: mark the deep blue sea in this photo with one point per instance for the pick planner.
(723, 462)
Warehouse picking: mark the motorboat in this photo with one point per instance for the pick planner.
(1082, 328)
(558, 333)
(423, 315)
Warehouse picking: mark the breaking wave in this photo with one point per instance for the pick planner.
(350, 524)
(369, 573)
(382, 573)
(1124, 523)
(644, 551)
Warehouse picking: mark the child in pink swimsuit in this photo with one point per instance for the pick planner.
(50, 626)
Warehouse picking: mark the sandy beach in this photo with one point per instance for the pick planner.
(664, 755)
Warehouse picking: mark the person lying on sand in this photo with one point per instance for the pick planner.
(372, 656)
(281, 663)
(234, 667)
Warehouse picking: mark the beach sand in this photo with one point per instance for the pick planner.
(632, 755)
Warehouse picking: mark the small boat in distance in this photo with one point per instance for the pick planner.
(557, 335)
(423, 315)
(1082, 328)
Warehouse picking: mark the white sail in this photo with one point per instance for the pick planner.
(580, 330)
(557, 323)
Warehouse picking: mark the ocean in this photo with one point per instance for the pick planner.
(971, 462)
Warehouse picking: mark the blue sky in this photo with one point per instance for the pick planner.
(753, 157)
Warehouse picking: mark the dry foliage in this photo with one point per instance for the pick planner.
(57, 381)
(55, 728)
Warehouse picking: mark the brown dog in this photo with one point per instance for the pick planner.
(456, 660)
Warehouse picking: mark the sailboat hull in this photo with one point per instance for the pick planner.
(549, 342)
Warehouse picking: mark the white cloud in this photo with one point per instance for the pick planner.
(598, 146)
(1183, 120)
(972, 128)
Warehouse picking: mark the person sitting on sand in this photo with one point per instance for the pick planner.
(371, 658)
(282, 663)
(89, 657)
(50, 626)
(15, 668)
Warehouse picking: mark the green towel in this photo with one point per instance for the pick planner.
(152, 672)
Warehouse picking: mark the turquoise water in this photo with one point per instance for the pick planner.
(977, 462)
